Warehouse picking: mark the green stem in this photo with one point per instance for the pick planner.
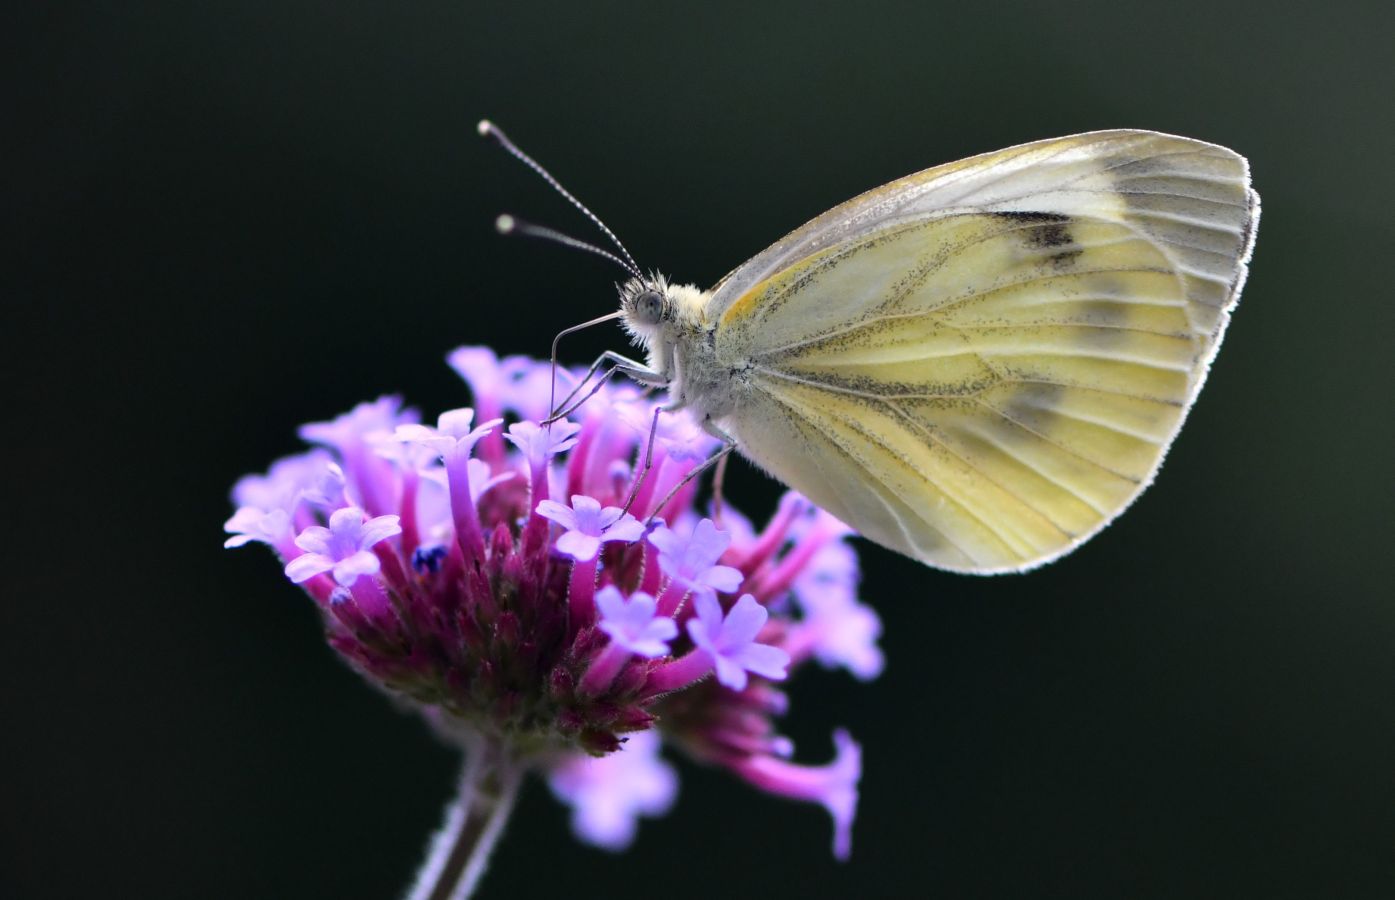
(460, 851)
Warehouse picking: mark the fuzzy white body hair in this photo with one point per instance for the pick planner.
(681, 348)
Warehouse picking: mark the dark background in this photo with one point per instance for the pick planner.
(231, 218)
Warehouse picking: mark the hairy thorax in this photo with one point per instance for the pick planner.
(710, 386)
(682, 349)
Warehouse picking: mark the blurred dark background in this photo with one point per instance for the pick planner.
(230, 218)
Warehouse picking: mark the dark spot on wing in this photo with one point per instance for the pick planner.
(1106, 323)
(1049, 218)
(1033, 405)
(1048, 231)
(1103, 313)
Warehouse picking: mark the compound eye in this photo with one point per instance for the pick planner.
(649, 307)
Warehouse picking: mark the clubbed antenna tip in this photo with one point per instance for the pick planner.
(488, 129)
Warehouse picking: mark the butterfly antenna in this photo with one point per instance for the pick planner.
(488, 129)
(507, 224)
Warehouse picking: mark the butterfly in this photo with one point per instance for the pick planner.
(979, 365)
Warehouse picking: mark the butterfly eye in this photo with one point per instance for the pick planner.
(649, 308)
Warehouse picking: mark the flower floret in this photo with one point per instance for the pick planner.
(343, 548)
(588, 526)
(608, 795)
(691, 560)
(730, 641)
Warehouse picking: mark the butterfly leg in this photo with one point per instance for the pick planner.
(720, 476)
(718, 480)
(648, 460)
(718, 458)
(648, 463)
(636, 371)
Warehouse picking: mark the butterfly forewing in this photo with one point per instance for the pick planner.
(982, 364)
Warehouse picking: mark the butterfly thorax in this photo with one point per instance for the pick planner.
(669, 321)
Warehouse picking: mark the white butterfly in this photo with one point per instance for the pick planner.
(979, 365)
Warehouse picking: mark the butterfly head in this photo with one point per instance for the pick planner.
(646, 306)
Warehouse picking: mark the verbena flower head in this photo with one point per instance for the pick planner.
(504, 581)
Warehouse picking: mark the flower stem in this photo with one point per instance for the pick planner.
(460, 851)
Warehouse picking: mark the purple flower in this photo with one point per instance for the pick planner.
(481, 483)
(588, 526)
(268, 504)
(632, 624)
(342, 548)
(847, 636)
(250, 523)
(608, 795)
(680, 436)
(353, 437)
(433, 505)
(451, 591)
(835, 628)
(350, 430)
(730, 641)
(541, 442)
(312, 477)
(634, 630)
(833, 786)
(515, 384)
(407, 456)
(692, 561)
(829, 578)
(452, 437)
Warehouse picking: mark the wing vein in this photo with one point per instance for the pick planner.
(939, 442)
(1006, 163)
(891, 317)
(1023, 461)
(1104, 390)
(896, 517)
(1068, 185)
(1189, 221)
(1104, 423)
(1064, 449)
(1017, 545)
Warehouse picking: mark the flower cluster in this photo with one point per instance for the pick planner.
(536, 587)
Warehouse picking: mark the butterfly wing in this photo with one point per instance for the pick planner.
(982, 364)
